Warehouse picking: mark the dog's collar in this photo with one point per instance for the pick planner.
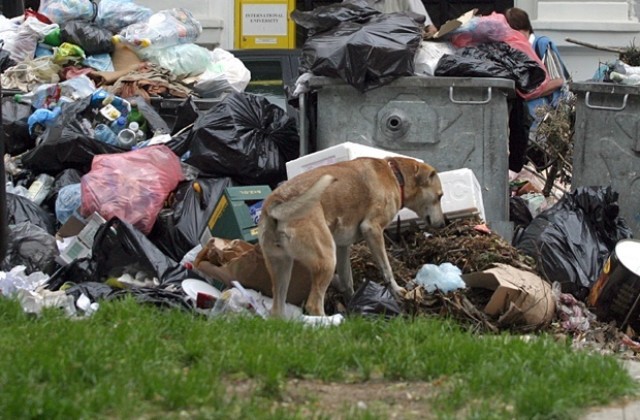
(396, 171)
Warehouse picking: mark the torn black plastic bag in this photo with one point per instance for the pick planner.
(365, 55)
(31, 246)
(493, 59)
(323, 18)
(67, 144)
(21, 209)
(119, 248)
(373, 299)
(571, 240)
(178, 229)
(16, 129)
(244, 137)
(92, 38)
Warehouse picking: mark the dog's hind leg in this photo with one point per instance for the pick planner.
(373, 235)
(345, 277)
(318, 253)
(279, 267)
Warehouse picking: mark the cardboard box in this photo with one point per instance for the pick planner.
(519, 298)
(231, 217)
(79, 235)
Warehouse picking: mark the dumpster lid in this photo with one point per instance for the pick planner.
(316, 82)
(603, 87)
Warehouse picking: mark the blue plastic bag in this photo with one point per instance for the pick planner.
(60, 11)
(116, 15)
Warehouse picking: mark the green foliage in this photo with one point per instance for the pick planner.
(131, 360)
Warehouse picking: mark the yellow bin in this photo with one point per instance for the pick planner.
(264, 24)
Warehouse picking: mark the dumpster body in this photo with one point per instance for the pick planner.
(607, 143)
(448, 122)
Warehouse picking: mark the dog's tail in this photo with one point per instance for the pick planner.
(298, 206)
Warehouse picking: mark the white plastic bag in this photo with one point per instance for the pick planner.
(182, 60)
(116, 15)
(428, 55)
(224, 73)
(60, 11)
(22, 46)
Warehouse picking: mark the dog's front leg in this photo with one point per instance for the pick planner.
(373, 235)
(343, 267)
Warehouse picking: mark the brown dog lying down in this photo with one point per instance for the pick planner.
(316, 216)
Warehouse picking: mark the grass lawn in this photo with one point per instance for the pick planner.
(130, 360)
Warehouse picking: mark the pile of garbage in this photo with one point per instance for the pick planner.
(107, 198)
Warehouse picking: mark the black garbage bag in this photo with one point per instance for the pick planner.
(373, 299)
(77, 271)
(91, 37)
(21, 209)
(493, 59)
(67, 144)
(178, 229)
(157, 296)
(365, 55)
(571, 240)
(323, 18)
(94, 290)
(119, 248)
(244, 137)
(187, 113)
(16, 129)
(31, 246)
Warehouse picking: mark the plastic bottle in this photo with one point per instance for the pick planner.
(140, 136)
(104, 134)
(43, 96)
(119, 124)
(120, 104)
(136, 115)
(127, 138)
(98, 97)
(40, 188)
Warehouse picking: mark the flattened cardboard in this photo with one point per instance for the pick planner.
(520, 297)
(453, 24)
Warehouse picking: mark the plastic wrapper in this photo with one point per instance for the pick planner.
(60, 11)
(15, 127)
(163, 29)
(244, 137)
(31, 246)
(493, 59)
(92, 38)
(365, 55)
(114, 15)
(373, 299)
(131, 186)
(571, 240)
(326, 17)
(181, 60)
(21, 209)
(179, 228)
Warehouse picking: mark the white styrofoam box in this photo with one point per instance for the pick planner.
(462, 194)
(339, 153)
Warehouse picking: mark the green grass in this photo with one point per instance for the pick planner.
(131, 361)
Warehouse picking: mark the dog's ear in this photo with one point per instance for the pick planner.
(425, 174)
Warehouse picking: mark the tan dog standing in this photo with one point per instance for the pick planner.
(316, 216)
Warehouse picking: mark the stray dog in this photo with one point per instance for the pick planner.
(315, 217)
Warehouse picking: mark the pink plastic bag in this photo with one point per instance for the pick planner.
(495, 28)
(131, 185)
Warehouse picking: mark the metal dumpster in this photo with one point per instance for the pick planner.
(607, 143)
(449, 122)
